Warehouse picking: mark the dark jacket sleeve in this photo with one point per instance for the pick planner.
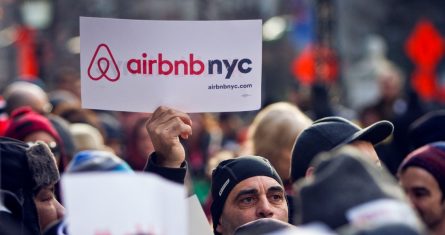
(174, 174)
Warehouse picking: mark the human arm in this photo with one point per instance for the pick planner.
(165, 127)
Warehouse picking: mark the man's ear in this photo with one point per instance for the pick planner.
(219, 226)
(310, 171)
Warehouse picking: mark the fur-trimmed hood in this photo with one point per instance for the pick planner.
(42, 165)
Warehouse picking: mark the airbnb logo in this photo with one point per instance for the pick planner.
(103, 65)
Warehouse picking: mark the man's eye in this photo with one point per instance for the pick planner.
(247, 201)
(46, 199)
(421, 193)
(276, 198)
(46, 196)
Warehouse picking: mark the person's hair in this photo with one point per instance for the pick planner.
(275, 128)
(73, 113)
(21, 93)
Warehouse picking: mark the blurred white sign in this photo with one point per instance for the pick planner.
(198, 223)
(193, 66)
(122, 204)
(382, 212)
(308, 229)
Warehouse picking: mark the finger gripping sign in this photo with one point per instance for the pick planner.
(193, 66)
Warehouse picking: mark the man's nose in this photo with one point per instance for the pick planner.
(411, 199)
(60, 210)
(264, 209)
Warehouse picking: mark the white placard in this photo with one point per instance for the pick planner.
(119, 204)
(193, 66)
(382, 212)
(198, 224)
(307, 229)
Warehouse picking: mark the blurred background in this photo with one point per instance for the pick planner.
(360, 59)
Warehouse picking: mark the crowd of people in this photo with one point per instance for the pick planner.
(280, 170)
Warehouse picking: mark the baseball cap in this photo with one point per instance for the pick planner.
(330, 133)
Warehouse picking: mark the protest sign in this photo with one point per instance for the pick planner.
(198, 224)
(193, 66)
(121, 204)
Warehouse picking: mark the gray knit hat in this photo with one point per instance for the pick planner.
(345, 180)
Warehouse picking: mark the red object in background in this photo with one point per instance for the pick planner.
(27, 62)
(4, 121)
(425, 47)
(425, 84)
(315, 63)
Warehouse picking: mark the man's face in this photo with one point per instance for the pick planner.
(48, 208)
(251, 199)
(425, 195)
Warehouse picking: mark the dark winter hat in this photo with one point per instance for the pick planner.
(96, 160)
(262, 226)
(25, 121)
(229, 173)
(431, 158)
(23, 170)
(42, 165)
(427, 129)
(329, 133)
(24, 166)
(13, 223)
(343, 180)
(14, 170)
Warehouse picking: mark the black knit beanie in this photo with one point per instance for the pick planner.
(229, 173)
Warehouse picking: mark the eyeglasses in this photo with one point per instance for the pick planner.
(52, 146)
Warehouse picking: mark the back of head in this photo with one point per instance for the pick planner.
(274, 130)
(111, 126)
(95, 160)
(86, 137)
(23, 93)
(427, 129)
(347, 188)
(330, 133)
(62, 97)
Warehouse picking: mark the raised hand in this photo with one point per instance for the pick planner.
(165, 127)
